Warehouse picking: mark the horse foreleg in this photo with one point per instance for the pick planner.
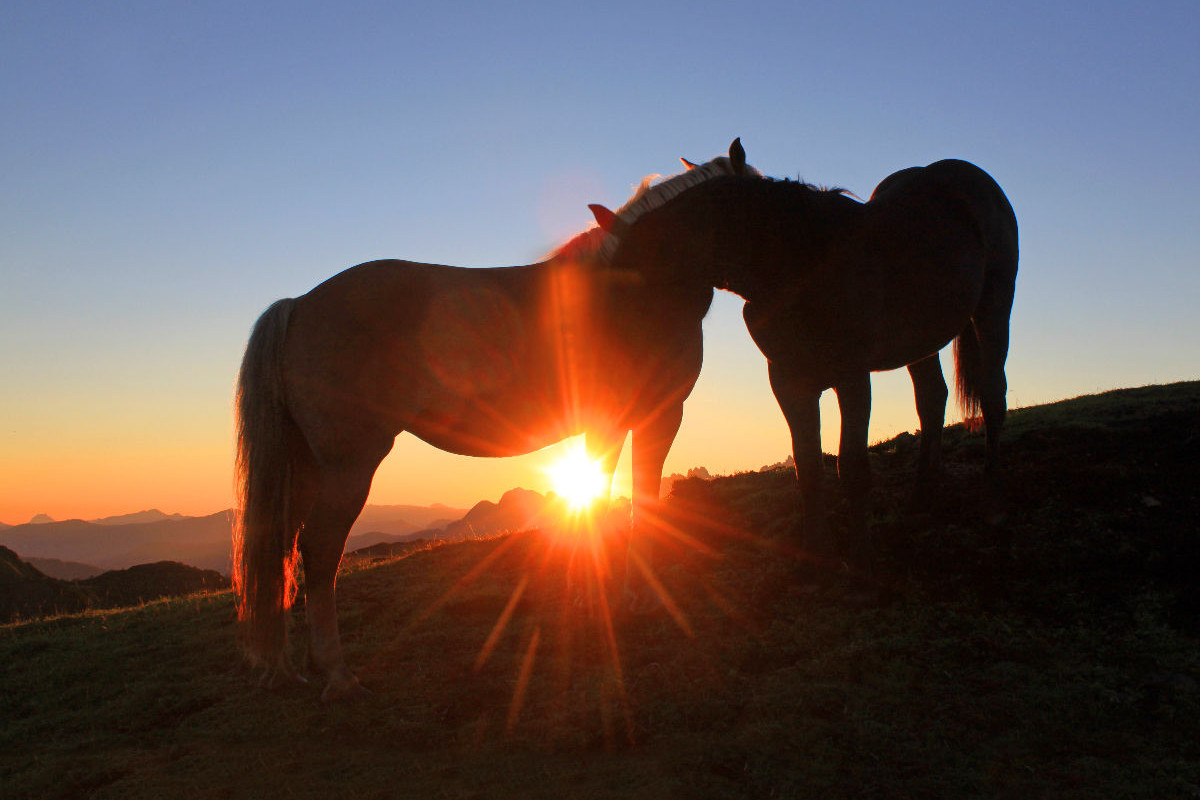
(340, 499)
(801, 407)
(929, 388)
(652, 441)
(854, 403)
(604, 446)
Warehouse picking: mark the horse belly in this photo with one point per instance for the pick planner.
(490, 426)
(930, 302)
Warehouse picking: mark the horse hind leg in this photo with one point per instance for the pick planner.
(302, 491)
(987, 336)
(931, 393)
(991, 324)
(342, 492)
(649, 530)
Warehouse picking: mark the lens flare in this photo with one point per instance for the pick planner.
(579, 479)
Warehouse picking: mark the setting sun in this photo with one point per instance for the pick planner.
(578, 478)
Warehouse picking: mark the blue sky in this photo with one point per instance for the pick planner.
(167, 170)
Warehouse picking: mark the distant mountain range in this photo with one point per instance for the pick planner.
(78, 549)
(75, 550)
(200, 541)
(668, 482)
(65, 570)
(49, 566)
(518, 510)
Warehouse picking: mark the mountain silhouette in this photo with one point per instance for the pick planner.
(668, 482)
(153, 515)
(64, 570)
(25, 591)
(72, 549)
(518, 509)
(200, 541)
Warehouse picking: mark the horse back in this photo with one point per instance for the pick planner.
(494, 361)
(383, 344)
(950, 197)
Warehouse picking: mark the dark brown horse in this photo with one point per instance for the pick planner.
(480, 362)
(836, 289)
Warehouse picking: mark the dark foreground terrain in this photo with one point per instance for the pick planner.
(1055, 654)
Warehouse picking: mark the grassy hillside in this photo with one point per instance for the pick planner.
(25, 591)
(1056, 655)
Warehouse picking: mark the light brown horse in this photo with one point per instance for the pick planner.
(836, 289)
(480, 362)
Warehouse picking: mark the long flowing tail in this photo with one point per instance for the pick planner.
(968, 375)
(264, 539)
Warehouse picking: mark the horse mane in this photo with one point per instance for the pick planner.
(582, 246)
(594, 242)
(813, 187)
(650, 195)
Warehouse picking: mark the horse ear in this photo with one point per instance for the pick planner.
(610, 222)
(690, 166)
(737, 156)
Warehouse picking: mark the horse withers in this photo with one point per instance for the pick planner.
(479, 362)
(836, 289)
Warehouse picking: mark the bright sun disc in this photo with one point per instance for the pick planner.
(578, 479)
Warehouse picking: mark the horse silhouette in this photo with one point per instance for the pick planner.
(479, 362)
(836, 289)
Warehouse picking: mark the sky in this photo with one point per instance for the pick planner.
(167, 170)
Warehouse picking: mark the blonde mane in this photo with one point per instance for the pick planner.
(595, 243)
(582, 246)
(650, 195)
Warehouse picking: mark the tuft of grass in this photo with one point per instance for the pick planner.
(1055, 655)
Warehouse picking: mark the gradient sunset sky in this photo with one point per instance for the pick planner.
(170, 169)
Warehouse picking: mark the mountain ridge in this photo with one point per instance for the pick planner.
(26, 592)
(73, 548)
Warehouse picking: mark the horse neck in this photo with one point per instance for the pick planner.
(774, 235)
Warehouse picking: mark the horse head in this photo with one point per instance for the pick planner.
(658, 253)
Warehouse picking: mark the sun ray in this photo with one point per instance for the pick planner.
(514, 709)
(501, 623)
(663, 595)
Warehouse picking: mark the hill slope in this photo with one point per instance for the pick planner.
(1055, 656)
(26, 592)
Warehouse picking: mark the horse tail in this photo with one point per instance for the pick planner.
(264, 538)
(968, 375)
